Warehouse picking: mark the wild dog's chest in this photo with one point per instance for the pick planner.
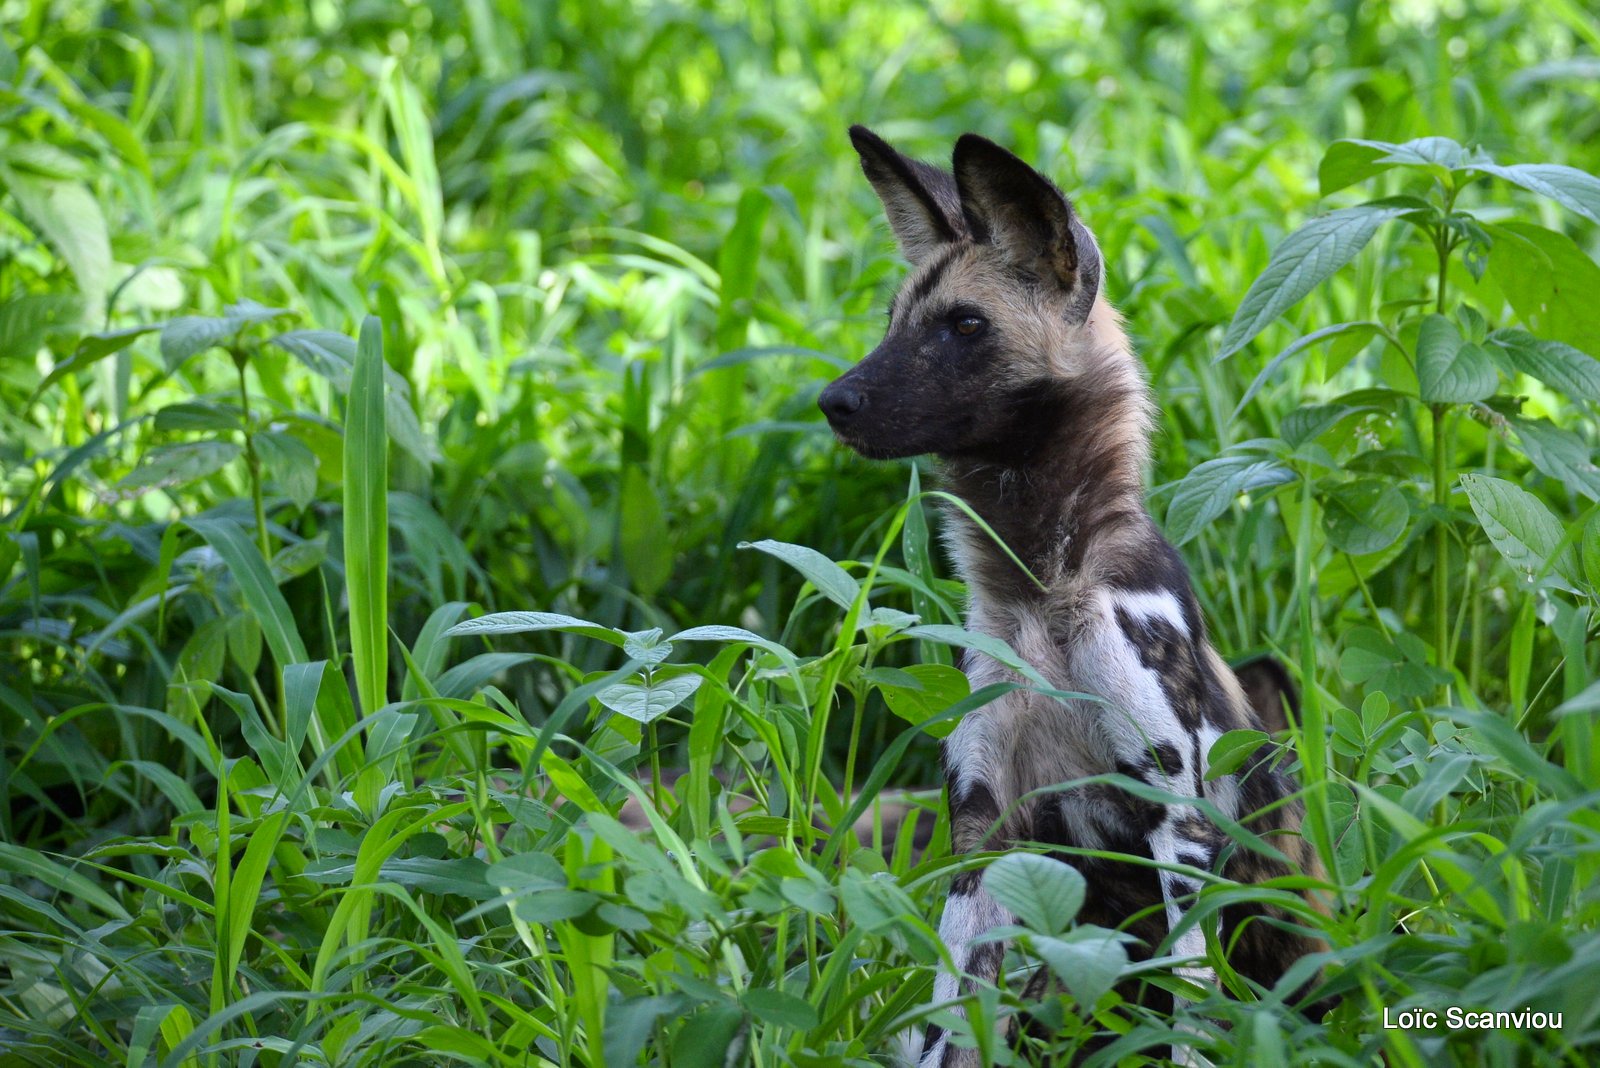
(1135, 659)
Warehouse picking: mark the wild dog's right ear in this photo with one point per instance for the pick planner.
(921, 201)
(1022, 213)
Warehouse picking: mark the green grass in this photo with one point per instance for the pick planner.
(274, 791)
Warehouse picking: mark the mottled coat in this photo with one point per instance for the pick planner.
(1004, 360)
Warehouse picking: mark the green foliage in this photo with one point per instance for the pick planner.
(533, 681)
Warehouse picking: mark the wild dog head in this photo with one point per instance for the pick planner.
(1000, 321)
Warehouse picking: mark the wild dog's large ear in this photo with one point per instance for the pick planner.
(920, 199)
(1010, 204)
(1269, 690)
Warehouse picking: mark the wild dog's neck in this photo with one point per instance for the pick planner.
(1056, 492)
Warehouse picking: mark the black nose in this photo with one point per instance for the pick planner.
(841, 400)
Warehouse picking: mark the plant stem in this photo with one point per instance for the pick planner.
(1441, 549)
(1441, 497)
(252, 460)
(655, 765)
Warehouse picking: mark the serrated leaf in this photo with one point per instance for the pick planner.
(1450, 370)
(174, 465)
(1364, 516)
(831, 580)
(1044, 894)
(1205, 493)
(1231, 750)
(1300, 263)
(1575, 373)
(1520, 526)
(652, 700)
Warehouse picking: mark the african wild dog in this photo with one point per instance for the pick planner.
(1004, 360)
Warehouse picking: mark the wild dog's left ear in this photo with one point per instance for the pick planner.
(1010, 204)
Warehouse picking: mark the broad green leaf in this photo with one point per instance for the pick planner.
(26, 321)
(1520, 526)
(780, 1008)
(1359, 332)
(366, 521)
(1449, 369)
(1364, 516)
(1575, 373)
(174, 465)
(67, 215)
(1352, 160)
(1567, 186)
(961, 638)
(710, 1037)
(1548, 280)
(1591, 554)
(1088, 963)
(331, 355)
(645, 543)
(92, 348)
(524, 622)
(467, 678)
(646, 646)
(1397, 665)
(291, 464)
(1300, 262)
(934, 688)
(1044, 894)
(831, 580)
(652, 700)
(1311, 421)
(1231, 750)
(198, 415)
(1205, 492)
(190, 334)
(1561, 454)
(738, 261)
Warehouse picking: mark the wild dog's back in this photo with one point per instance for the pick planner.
(1003, 358)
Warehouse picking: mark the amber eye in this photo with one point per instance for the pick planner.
(968, 325)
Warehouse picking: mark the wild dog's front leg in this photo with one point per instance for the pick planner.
(972, 776)
(1184, 837)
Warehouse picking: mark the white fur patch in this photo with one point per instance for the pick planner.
(1143, 604)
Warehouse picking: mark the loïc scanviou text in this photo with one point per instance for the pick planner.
(1456, 1018)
